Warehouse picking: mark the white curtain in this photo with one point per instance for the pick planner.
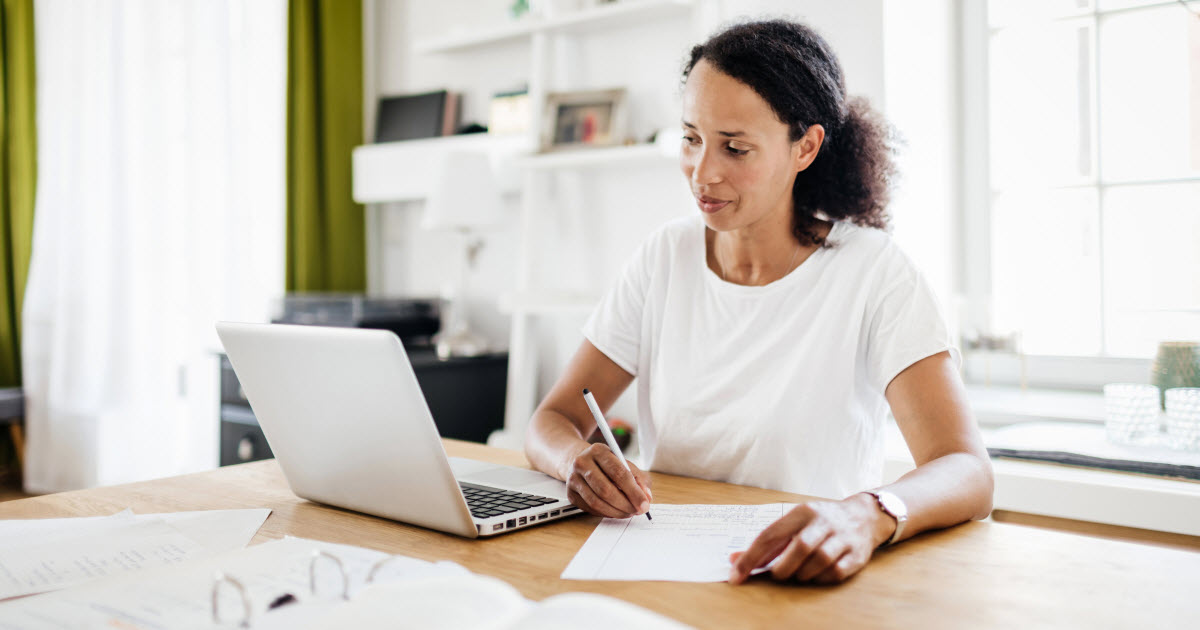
(160, 209)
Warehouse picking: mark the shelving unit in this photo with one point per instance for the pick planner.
(551, 44)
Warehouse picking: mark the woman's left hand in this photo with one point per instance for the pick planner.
(823, 542)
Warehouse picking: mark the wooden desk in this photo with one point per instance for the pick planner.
(984, 574)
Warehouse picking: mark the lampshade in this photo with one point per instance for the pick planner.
(464, 194)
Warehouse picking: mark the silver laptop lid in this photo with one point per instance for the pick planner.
(345, 417)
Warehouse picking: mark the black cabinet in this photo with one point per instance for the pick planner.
(465, 395)
(242, 440)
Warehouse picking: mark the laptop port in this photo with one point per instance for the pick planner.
(553, 512)
(522, 520)
(512, 522)
(541, 516)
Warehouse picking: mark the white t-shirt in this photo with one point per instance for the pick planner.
(777, 386)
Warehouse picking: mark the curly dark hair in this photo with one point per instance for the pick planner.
(795, 71)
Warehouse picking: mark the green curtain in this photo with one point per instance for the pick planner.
(18, 175)
(325, 228)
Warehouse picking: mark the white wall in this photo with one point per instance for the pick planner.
(854, 28)
(587, 242)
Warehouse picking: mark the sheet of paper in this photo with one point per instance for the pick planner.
(684, 543)
(216, 530)
(589, 611)
(114, 547)
(39, 555)
(18, 532)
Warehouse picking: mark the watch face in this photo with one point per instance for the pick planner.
(893, 505)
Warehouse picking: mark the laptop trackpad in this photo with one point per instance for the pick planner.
(507, 478)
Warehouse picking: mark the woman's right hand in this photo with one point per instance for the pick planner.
(599, 484)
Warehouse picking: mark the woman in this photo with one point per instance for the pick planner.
(771, 333)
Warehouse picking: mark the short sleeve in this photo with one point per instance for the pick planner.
(615, 326)
(906, 326)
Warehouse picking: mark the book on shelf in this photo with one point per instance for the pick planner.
(414, 116)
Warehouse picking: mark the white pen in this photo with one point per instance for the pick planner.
(608, 436)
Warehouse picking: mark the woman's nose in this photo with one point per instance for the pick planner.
(705, 169)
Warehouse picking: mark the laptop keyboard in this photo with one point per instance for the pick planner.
(486, 502)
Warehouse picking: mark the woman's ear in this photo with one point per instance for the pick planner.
(805, 150)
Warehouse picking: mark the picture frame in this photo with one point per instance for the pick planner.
(584, 119)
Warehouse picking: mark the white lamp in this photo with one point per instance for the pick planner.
(464, 198)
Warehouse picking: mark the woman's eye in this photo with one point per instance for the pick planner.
(736, 151)
(690, 139)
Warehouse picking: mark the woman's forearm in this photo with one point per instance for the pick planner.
(829, 541)
(551, 442)
(945, 491)
(556, 433)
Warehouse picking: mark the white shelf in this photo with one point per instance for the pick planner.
(587, 20)
(600, 157)
(495, 35)
(402, 171)
(547, 303)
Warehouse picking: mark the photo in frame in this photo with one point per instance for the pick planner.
(577, 120)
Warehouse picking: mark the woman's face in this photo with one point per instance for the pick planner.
(736, 153)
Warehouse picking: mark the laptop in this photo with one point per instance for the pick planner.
(343, 413)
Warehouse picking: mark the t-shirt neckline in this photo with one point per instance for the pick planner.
(790, 278)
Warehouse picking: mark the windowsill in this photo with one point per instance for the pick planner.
(1083, 494)
(1003, 405)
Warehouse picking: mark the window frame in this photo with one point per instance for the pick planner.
(975, 253)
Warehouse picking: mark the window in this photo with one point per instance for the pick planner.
(1090, 158)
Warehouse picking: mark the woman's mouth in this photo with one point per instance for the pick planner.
(709, 204)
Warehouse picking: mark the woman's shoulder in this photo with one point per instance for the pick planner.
(869, 251)
(847, 237)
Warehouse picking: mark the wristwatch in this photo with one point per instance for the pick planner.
(894, 507)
